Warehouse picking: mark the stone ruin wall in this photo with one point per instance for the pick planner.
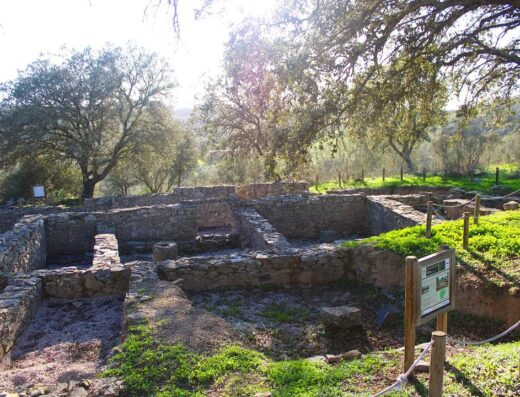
(22, 293)
(384, 214)
(257, 233)
(252, 191)
(73, 233)
(304, 216)
(23, 248)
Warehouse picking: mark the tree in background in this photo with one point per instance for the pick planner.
(399, 107)
(84, 109)
(166, 152)
(245, 111)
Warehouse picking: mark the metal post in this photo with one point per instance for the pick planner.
(437, 358)
(409, 326)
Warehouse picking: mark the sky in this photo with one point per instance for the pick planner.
(29, 28)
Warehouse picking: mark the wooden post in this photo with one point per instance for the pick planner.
(429, 214)
(401, 173)
(430, 196)
(317, 182)
(445, 175)
(442, 322)
(437, 358)
(409, 326)
(424, 174)
(497, 176)
(476, 215)
(383, 174)
(465, 235)
(339, 180)
(362, 175)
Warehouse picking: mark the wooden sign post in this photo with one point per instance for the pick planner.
(429, 294)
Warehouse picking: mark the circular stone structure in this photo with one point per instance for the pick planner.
(165, 250)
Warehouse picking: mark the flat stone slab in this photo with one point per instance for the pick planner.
(341, 316)
(511, 206)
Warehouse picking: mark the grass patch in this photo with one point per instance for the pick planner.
(483, 182)
(494, 244)
(151, 368)
(285, 314)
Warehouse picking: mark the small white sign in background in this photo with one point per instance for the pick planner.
(39, 191)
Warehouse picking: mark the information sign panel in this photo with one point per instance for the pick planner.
(39, 191)
(434, 285)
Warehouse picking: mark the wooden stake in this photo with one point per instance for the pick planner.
(429, 214)
(430, 196)
(465, 235)
(445, 175)
(409, 326)
(497, 176)
(476, 215)
(424, 174)
(362, 175)
(401, 173)
(437, 358)
(442, 322)
(383, 174)
(317, 182)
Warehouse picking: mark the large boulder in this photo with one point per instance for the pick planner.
(341, 316)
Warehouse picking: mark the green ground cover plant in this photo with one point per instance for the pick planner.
(483, 181)
(494, 244)
(151, 368)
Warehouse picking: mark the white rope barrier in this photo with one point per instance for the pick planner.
(488, 340)
(403, 378)
(439, 215)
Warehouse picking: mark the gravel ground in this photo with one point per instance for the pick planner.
(67, 340)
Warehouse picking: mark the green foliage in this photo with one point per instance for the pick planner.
(145, 365)
(494, 242)
(230, 359)
(302, 378)
(151, 368)
(486, 180)
(285, 314)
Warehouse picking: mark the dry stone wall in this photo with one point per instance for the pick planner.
(23, 248)
(107, 276)
(18, 302)
(257, 233)
(384, 215)
(70, 234)
(305, 216)
(312, 265)
(252, 191)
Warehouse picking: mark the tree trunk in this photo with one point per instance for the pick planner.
(88, 188)
(409, 163)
